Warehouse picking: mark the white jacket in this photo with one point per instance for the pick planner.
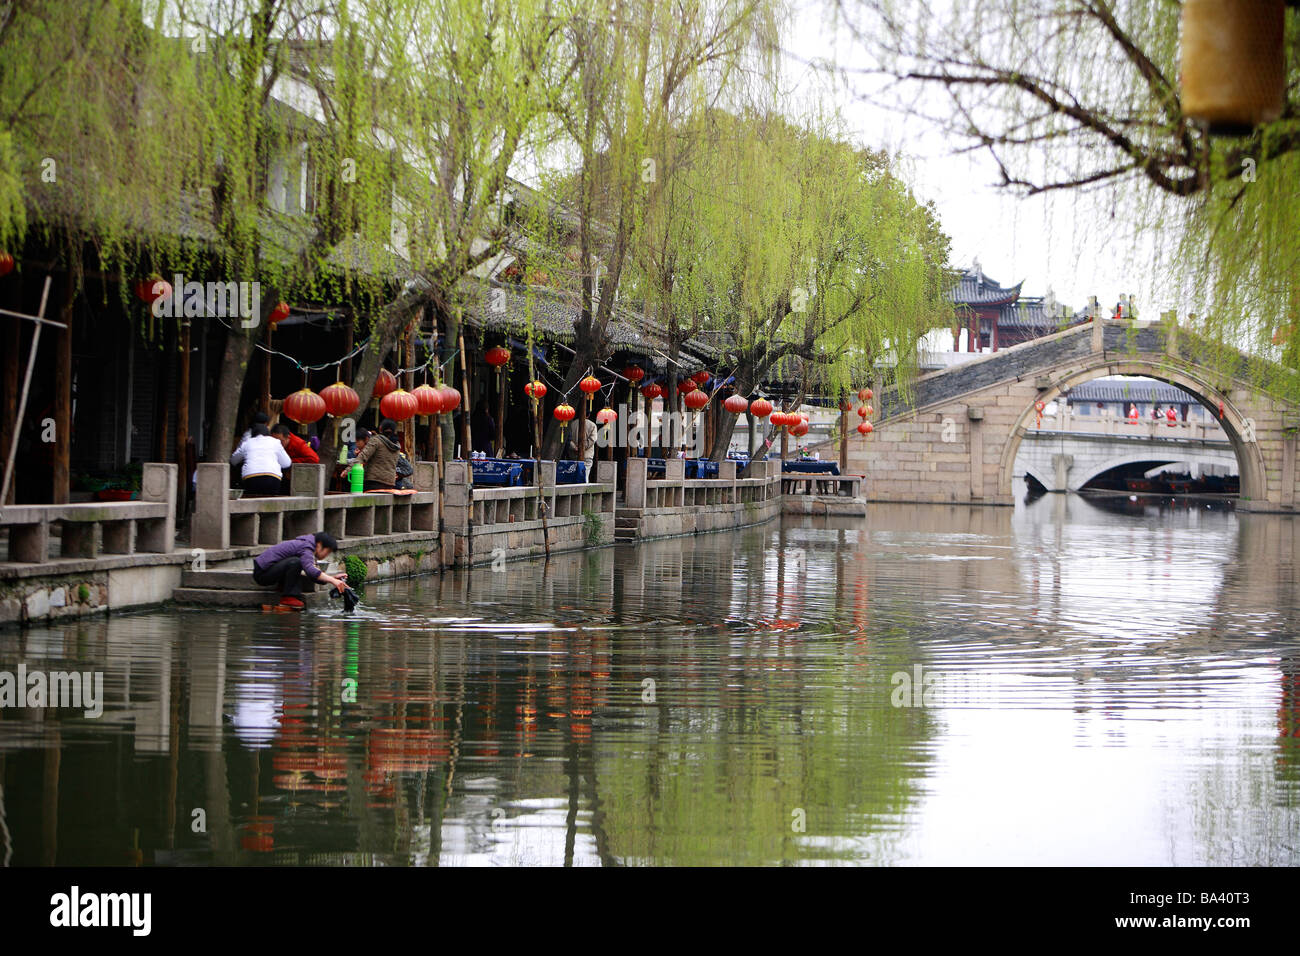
(261, 455)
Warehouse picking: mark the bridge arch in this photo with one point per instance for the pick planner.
(1133, 458)
(1250, 460)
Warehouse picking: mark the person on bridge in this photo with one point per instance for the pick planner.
(1171, 415)
(286, 564)
(1133, 414)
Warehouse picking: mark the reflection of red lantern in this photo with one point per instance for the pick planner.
(696, 399)
(399, 405)
(590, 385)
(606, 416)
(864, 395)
(760, 408)
(340, 400)
(152, 289)
(652, 391)
(304, 407)
(634, 373)
(736, 404)
(450, 398)
(280, 312)
(6, 263)
(428, 400)
(535, 390)
(564, 412)
(497, 356)
(385, 382)
(700, 377)
(865, 428)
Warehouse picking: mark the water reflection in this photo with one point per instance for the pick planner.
(1097, 688)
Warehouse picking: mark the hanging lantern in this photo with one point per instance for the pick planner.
(700, 377)
(535, 390)
(1233, 70)
(686, 386)
(399, 405)
(799, 430)
(590, 385)
(778, 418)
(450, 398)
(652, 391)
(279, 313)
(428, 401)
(340, 400)
(152, 289)
(862, 411)
(6, 263)
(606, 416)
(846, 405)
(634, 373)
(304, 407)
(736, 404)
(870, 411)
(385, 382)
(864, 395)
(865, 428)
(696, 399)
(564, 412)
(498, 356)
(760, 408)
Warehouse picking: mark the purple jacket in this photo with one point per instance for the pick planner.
(302, 547)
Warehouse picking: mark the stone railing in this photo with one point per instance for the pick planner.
(488, 523)
(675, 504)
(95, 529)
(221, 521)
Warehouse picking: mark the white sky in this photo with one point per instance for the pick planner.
(1065, 242)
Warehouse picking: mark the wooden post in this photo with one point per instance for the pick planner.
(503, 378)
(467, 447)
(26, 389)
(183, 421)
(63, 396)
(266, 372)
(844, 432)
(9, 423)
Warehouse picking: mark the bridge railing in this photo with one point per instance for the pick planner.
(1124, 428)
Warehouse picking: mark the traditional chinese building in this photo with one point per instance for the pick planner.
(991, 316)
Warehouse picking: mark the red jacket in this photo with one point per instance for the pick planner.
(301, 453)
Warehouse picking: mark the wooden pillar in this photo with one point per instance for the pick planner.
(63, 395)
(183, 421)
(266, 373)
(844, 433)
(13, 340)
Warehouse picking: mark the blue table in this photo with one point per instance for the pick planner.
(497, 472)
(566, 472)
(811, 467)
(695, 468)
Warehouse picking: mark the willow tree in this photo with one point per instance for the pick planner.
(1082, 98)
(638, 69)
(816, 262)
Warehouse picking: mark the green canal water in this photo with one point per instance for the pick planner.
(1067, 682)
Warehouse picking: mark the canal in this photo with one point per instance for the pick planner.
(1068, 682)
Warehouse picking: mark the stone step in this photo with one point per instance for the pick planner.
(228, 597)
(223, 580)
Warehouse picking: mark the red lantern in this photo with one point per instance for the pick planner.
(697, 399)
(399, 405)
(497, 356)
(865, 428)
(304, 407)
(634, 373)
(798, 431)
(700, 377)
(450, 398)
(564, 412)
(760, 408)
(590, 385)
(778, 418)
(428, 400)
(152, 289)
(280, 312)
(340, 400)
(384, 383)
(864, 394)
(870, 411)
(606, 416)
(736, 404)
(535, 390)
(652, 391)
(6, 263)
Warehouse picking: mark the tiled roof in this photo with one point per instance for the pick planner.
(1136, 390)
(975, 288)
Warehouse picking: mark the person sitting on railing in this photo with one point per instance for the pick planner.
(287, 564)
(299, 452)
(377, 453)
(262, 460)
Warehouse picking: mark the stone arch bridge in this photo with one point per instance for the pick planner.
(956, 436)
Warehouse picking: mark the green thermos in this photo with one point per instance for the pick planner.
(356, 478)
